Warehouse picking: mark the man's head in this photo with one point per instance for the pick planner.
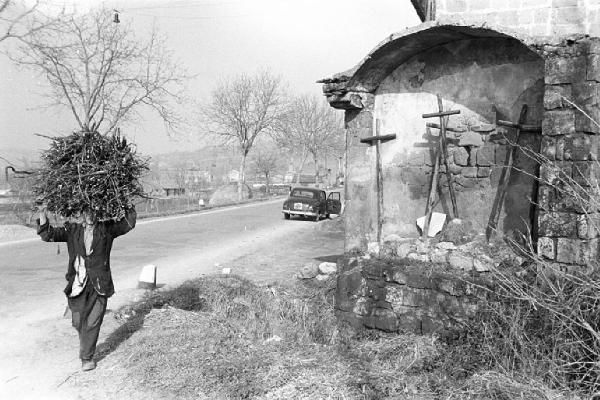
(87, 217)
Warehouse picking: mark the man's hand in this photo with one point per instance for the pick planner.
(43, 214)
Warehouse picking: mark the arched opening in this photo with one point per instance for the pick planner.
(488, 77)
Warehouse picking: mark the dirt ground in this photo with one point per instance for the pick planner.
(56, 355)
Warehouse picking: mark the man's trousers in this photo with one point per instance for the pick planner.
(87, 311)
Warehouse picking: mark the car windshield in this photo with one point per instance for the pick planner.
(303, 193)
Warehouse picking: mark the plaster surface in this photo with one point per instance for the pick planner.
(486, 79)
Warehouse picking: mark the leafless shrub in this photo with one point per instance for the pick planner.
(543, 318)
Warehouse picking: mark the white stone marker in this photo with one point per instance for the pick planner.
(147, 279)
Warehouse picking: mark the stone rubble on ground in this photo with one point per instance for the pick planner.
(327, 268)
(308, 271)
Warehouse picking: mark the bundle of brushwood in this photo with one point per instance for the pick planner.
(90, 171)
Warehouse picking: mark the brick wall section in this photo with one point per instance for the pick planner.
(532, 17)
(567, 197)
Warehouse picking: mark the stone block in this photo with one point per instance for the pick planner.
(586, 173)
(485, 156)
(570, 16)
(461, 156)
(546, 248)
(586, 96)
(554, 96)
(456, 6)
(454, 169)
(483, 263)
(470, 138)
(548, 147)
(439, 256)
(557, 224)
(394, 295)
(449, 286)
(484, 172)
(385, 319)
(395, 275)
(348, 285)
(501, 154)
(588, 252)
(308, 271)
(588, 226)
(560, 148)
(558, 122)
(564, 3)
(418, 257)
(546, 197)
(460, 261)
(469, 172)
(327, 268)
(568, 251)
(593, 67)
(581, 147)
(555, 172)
(573, 198)
(559, 69)
(418, 281)
(403, 249)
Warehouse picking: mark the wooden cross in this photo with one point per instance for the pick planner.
(441, 153)
(376, 141)
(505, 177)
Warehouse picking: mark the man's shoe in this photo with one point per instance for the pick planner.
(88, 365)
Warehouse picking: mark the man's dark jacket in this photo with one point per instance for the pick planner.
(97, 263)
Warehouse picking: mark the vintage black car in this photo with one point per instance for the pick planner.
(311, 203)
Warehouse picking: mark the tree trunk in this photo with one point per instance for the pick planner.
(242, 177)
(268, 191)
(300, 168)
(316, 170)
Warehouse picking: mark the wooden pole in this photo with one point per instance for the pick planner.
(505, 178)
(379, 180)
(444, 152)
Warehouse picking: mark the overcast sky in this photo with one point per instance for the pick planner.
(301, 40)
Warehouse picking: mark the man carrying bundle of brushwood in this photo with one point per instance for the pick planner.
(89, 180)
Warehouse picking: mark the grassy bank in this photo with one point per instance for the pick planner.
(227, 338)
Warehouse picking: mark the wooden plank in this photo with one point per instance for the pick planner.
(382, 138)
(448, 128)
(521, 127)
(441, 114)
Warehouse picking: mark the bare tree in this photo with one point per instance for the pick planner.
(266, 162)
(18, 20)
(311, 128)
(101, 72)
(242, 109)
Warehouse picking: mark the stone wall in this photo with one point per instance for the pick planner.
(568, 194)
(395, 295)
(532, 17)
(486, 79)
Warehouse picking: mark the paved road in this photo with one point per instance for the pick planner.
(33, 271)
(182, 247)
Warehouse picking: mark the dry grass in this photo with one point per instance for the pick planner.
(227, 338)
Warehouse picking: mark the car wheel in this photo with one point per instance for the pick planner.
(316, 218)
(327, 216)
(286, 215)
